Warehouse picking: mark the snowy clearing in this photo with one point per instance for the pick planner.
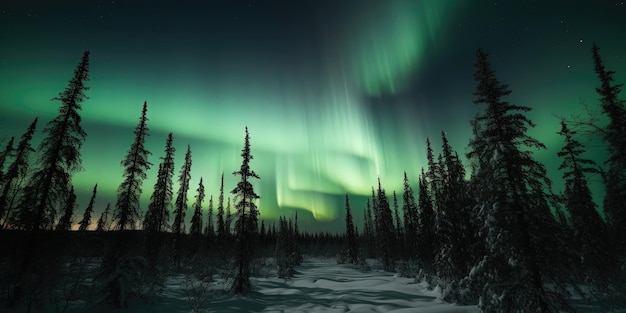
(318, 286)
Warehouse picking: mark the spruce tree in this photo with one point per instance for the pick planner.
(8, 150)
(158, 214)
(102, 224)
(590, 231)
(229, 218)
(16, 172)
(426, 226)
(221, 232)
(386, 234)
(369, 233)
(210, 228)
(350, 236)
(196, 219)
(411, 220)
(613, 134)
(246, 224)
(135, 164)
(59, 154)
(65, 222)
(455, 231)
(519, 230)
(180, 206)
(86, 221)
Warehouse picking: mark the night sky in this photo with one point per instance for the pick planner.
(335, 93)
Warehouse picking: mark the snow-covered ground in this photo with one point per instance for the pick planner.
(318, 286)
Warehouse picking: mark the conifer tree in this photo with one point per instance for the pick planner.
(86, 221)
(350, 236)
(426, 226)
(102, 224)
(221, 232)
(455, 231)
(246, 224)
(135, 164)
(433, 177)
(282, 254)
(368, 230)
(615, 177)
(210, 228)
(229, 218)
(386, 234)
(196, 219)
(158, 214)
(181, 198)
(519, 230)
(589, 229)
(65, 222)
(398, 225)
(59, 154)
(411, 220)
(16, 172)
(8, 150)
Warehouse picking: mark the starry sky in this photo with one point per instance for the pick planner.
(335, 93)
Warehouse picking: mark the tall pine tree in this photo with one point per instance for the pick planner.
(158, 214)
(180, 206)
(135, 164)
(86, 221)
(615, 177)
(196, 219)
(16, 172)
(590, 231)
(65, 222)
(411, 220)
(221, 232)
(386, 233)
(59, 154)
(518, 269)
(350, 236)
(103, 221)
(247, 217)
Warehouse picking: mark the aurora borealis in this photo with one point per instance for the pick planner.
(335, 93)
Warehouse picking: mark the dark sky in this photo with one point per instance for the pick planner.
(335, 93)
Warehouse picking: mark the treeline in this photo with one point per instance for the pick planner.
(37, 197)
(502, 239)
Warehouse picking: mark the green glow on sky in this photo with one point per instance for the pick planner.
(335, 94)
(392, 41)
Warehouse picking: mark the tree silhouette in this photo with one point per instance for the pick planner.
(369, 233)
(246, 224)
(127, 207)
(196, 219)
(102, 224)
(411, 220)
(426, 226)
(65, 222)
(59, 156)
(385, 233)
(590, 231)
(350, 235)
(210, 228)
(86, 221)
(15, 173)
(180, 206)
(8, 150)
(221, 231)
(158, 214)
(520, 233)
(613, 133)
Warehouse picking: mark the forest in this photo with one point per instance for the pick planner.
(489, 233)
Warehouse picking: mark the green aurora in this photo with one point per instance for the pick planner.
(335, 93)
